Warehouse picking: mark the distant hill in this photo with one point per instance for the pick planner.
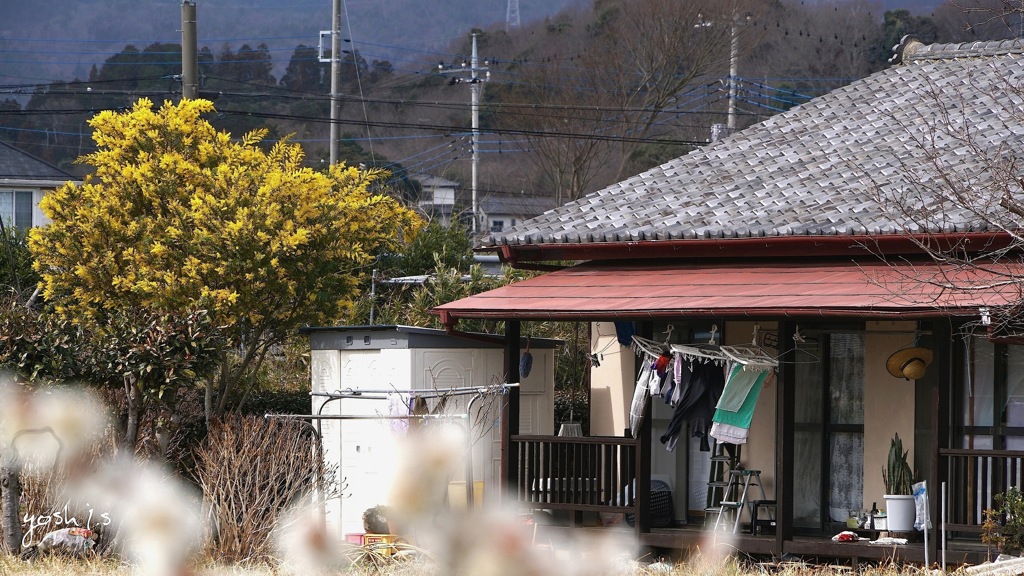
(919, 7)
(384, 29)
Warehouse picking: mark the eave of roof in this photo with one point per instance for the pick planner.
(782, 288)
(771, 246)
(33, 183)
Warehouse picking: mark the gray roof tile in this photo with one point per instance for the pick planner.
(806, 171)
(16, 164)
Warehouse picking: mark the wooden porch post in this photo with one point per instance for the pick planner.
(939, 401)
(510, 412)
(785, 414)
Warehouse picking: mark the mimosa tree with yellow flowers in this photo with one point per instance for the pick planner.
(178, 216)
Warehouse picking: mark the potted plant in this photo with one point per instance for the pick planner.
(898, 478)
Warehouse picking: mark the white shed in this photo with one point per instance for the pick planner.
(383, 364)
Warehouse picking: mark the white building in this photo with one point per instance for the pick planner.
(376, 371)
(437, 199)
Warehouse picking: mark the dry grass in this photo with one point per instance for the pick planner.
(56, 566)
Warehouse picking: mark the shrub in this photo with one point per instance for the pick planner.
(251, 469)
(1004, 526)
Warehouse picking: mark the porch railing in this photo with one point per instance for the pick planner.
(576, 473)
(975, 477)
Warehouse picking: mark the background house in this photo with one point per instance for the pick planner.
(437, 199)
(501, 212)
(24, 179)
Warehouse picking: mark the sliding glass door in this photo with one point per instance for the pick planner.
(829, 429)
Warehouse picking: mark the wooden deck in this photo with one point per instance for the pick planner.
(572, 477)
(682, 541)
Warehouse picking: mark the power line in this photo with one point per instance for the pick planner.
(450, 128)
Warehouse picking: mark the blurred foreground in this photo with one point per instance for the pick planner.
(696, 567)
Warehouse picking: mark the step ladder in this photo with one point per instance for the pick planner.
(723, 461)
(741, 480)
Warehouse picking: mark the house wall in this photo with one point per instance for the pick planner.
(888, 403)
(888, 407)
(611, 383)
(506, 221)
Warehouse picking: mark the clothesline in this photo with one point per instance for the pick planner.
(426, 392)
(752, 357)
(712, 387)
(699, 352)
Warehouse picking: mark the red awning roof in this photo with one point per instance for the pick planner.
(806, 288)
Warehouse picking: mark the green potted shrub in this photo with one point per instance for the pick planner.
(1004, 526)
(899, 480)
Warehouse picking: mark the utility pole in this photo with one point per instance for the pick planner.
(189, 51)
(474, 79)
(335, 80)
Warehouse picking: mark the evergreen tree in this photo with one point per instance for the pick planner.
(896, 25)
(305, 73)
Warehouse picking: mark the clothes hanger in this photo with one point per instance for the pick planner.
(703, 352)
(752, 357)
(698, 352)
(799, 338)
(648, 347)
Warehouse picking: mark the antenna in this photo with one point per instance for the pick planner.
(512, 15)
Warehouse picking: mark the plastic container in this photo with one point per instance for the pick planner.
(380, 543)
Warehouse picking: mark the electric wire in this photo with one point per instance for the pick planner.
(359, 81)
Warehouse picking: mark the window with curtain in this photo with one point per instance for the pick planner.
(16, 209)
(829, 429)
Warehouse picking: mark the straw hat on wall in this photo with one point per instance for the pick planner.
(909, 363)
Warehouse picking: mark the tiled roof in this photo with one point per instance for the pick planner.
(820, 168)
(16, 164)
(436, 182)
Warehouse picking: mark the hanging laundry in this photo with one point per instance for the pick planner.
(661, 365)
(624, 332)
(658, 378)
(733, 426)
(739, 384)
(640, 397)
(696, 404)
